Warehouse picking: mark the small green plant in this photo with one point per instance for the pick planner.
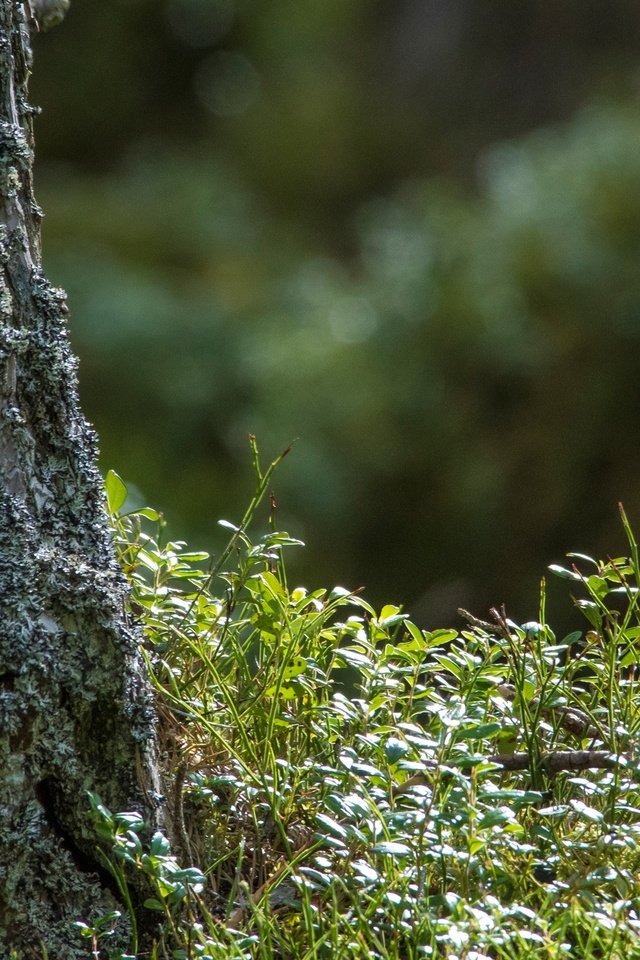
(350, 785)
(100, 929)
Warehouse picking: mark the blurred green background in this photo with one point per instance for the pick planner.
(406, 232)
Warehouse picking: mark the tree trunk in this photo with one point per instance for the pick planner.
(75, 709)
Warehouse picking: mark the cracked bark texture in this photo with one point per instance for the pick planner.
(75, 709)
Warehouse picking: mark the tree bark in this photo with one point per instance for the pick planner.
(75, 708)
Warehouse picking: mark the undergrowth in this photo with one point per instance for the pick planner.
(347, 785)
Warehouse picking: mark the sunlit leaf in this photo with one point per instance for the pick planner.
(116, 491)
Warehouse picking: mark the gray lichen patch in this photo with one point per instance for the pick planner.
(75, 707)
(51, 886)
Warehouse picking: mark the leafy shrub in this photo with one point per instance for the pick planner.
(352, 786)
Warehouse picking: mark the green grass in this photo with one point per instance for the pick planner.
(340, 778)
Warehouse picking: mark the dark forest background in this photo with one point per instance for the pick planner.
(406, 232)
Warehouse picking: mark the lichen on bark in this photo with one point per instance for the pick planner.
(75, 708)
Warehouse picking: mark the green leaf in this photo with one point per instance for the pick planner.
(191, 875)
(314, 878)
(296, 667)
(116, 491)
(391, 848)
(132, 820)
(284, 693)
(442, 636)
(520, 796)
(149, 513)
(586, 812)
(598, 587)
(389, 612)
(354, 657)
(482, 731)
(629, 658)
(349, 807)
(556, 811)
(395, 749)
(600, 875)
(228, 525)
(418, 641)
(272, 584)
(152, 904)
(331, 826)
(448, 664)
(339, 592)
(366, 871)
(564, 573)
(494, 818)
(159, 845)
(583, 556)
